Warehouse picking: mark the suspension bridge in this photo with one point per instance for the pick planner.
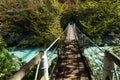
(73, 62)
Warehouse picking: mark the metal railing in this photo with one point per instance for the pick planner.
(109, 70)
(27, 67)
(102, 62)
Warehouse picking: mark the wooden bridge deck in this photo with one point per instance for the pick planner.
(72, 64)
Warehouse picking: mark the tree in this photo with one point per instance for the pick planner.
(9, 63)
(30, 25)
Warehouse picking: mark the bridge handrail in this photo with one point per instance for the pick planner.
(113, 57)
(56, 40)
(52, 44)
(89, 39)
(27, 67)
(45, 58)
(109, 59)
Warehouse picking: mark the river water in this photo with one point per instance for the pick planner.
(27, 54)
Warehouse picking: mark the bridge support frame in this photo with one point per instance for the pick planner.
(108, 68)
(45, 66)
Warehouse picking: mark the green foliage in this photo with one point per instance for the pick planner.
(2, 43)
(38, 22)
(31, 74)
(29, 22)
(9, 64)
(100, 18)
(116, 50)
(28, 25)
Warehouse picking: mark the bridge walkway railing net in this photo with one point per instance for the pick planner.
(94, 53)
(49, 57)
(96, 57)
(51, 53)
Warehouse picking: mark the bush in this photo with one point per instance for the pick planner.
(9, 64)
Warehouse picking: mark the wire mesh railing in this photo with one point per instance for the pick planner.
(54, 48)
(96, 56)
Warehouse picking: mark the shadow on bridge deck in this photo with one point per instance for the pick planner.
(72, 65)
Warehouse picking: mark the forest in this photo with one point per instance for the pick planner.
(34, 23)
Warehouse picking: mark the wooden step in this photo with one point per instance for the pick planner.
(70, 56)
(70, 70)
(70, 62)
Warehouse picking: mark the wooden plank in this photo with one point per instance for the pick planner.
(113, 57)
(72, 64)
(27, 67)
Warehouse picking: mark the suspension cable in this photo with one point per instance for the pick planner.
(56, 40)
(83, 35)
(56, 48)
(115, 67)
(93, 57)
(97, 55)
(37, 70)
(96, 50)
(95, 64)
(92, 48)
(48, 49)
(58, 45)
(89, 39)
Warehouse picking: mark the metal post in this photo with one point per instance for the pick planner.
(108, 69)
(116, 75)
(45, 66)
(37, 70)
